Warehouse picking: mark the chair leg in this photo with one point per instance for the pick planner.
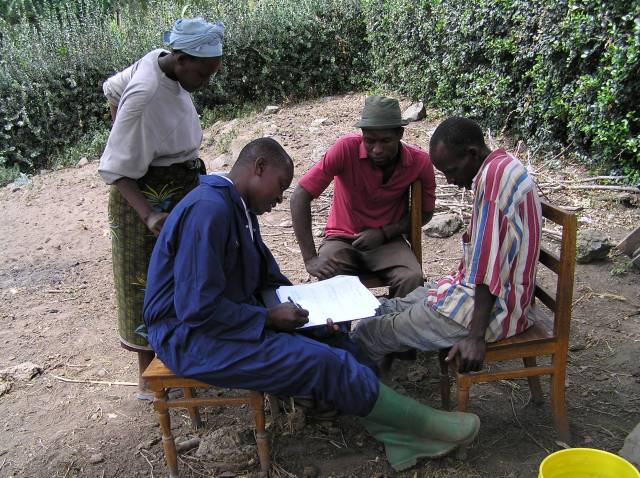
(558, 406)
(168, 443)
(262, 436)
(463, 393)
(534, 382)
(445, 382)
(194, 412)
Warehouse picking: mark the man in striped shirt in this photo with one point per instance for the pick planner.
(488, 297)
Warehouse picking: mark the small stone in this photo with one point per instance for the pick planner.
(320, 122)
(318, 233)
(592, 245)
(5, 387)
(309, 471)
(415, 112)
(443, 225)
(24, 371)
(96, 458)
(82, 162)
(577, 347)
(272, 109)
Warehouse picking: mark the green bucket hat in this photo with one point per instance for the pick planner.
(380, 112)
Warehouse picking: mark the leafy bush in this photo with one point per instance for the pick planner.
(556, 72)
(53, 65)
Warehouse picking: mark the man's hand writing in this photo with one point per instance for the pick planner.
(472, 351)
(369, 239)
(286, 317)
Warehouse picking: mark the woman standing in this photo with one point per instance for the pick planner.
(151, 160)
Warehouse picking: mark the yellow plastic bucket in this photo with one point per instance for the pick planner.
(586, 463)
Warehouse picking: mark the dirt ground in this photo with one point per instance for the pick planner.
(57, 311)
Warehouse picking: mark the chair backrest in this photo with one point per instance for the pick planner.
(415, 212)
(564, 267)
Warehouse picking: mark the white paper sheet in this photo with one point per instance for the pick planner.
(340, 299)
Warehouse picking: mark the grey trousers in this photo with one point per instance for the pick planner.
(393, 261)
(406, 323)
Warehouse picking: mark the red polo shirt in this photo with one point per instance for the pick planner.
(360, 200)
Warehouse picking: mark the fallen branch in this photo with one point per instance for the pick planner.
(628, 189)
(97, 382)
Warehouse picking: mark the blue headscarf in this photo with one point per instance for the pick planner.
(196, 37)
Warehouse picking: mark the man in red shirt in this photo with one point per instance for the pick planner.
(369, 213)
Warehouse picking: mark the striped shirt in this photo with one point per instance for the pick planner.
(500, 249)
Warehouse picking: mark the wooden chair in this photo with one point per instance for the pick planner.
(160, 379)
(549, 336)
(415, 234)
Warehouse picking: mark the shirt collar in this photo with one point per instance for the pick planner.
(493, 155)
(246, 211)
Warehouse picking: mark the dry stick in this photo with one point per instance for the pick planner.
(523, 429)
(629, 189)
(97, 382)
(147, 459)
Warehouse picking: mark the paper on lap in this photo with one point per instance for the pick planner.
(341, 298)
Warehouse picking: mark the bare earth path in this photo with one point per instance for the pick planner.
(57, 311)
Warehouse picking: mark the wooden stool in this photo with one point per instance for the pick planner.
(160, 379)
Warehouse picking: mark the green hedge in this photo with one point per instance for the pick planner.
(555, 72)
(51, 69)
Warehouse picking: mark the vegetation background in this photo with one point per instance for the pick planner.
(563, 75)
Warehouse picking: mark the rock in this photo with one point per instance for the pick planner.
(21, 181)
(631, 447)
(592, 245)
(5, 387)
(415, 112)
(44, 171)
(320, 122)
(82, 162)
(96, 458)
(270, 110)
(443, 225)
(318, 233)
(309, 471)
(629, 200)
(22, 372)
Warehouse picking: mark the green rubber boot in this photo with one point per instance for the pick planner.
(403, 450)
(408, 416)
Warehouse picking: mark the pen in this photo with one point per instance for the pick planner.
(297, 306)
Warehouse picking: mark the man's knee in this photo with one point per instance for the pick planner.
(405, 280)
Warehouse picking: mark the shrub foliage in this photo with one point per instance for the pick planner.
(52, 65)
(558, 72)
